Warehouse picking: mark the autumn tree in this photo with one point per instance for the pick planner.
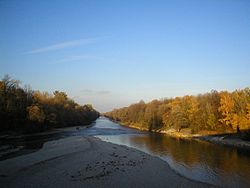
(20, 108)
(202, 112)
(226, 108)
(35, 114)
(241, 99)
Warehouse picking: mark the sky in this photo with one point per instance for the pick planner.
(114, 53)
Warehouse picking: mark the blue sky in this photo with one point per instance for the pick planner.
(113, 53)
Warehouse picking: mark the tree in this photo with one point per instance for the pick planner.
(212, 121)
(226, 107)
(152, 119)
(60, 97)
(36, 114)
(202, 112)
(248, 111)
(20, 108)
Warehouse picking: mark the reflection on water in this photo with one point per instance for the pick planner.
(201, 161)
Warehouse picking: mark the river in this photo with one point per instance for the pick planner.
(201, 161)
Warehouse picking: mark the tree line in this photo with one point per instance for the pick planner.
(214, 111)
(22, 109)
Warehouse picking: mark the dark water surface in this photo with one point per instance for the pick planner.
(205, 162)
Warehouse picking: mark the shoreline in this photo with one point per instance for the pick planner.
(87, 161)
(220, 139)
(13, 145)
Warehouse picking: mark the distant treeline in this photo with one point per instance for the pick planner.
(215, 111)
(23, 109)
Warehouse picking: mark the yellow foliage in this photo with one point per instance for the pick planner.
(235, 121)
(35, 114)
(226, 108)
(248, 111)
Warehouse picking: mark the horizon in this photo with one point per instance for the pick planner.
(112, 54)
(146, 101)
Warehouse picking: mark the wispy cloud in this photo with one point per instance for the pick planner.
(62, 45)
(94, 92)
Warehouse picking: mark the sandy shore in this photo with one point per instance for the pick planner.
(89, 162)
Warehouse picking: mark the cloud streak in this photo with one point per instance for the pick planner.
(62, 45)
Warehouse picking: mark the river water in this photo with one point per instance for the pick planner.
(201, 161)
(217, 165)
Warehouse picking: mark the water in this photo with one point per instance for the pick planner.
(201, 161)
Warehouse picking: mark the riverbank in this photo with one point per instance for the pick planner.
(13, 144)
(228, 139)
(89, 162)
